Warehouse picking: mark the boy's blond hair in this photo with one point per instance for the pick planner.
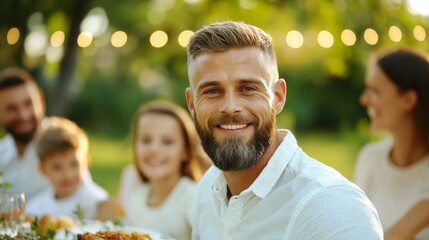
(60, 134)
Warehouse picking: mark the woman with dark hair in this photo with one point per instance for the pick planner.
(394, 172)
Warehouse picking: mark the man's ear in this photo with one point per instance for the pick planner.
(190, 101)
(279, 95)
(42, 100)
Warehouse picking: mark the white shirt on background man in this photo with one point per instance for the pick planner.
(22, 172)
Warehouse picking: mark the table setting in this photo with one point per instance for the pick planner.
(16, 225)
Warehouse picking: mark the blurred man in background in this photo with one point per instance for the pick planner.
(22, 109)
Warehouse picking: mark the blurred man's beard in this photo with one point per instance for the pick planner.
(21, 137)
(235, 154)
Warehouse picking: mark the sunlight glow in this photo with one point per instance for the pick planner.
(96, 22)
(119, 39)
(418, 7)
(294, 39)
(370, 36)
(12, 36)
(395, 34)
(36, 41)
(348, 37)
(325, 39)
(158, 39)
(184, 37)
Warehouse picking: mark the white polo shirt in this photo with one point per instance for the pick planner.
(295, 198)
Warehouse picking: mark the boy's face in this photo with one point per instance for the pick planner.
(63, 169)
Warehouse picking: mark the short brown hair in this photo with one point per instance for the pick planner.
(60, 134)
(14, 76)
(221, 36)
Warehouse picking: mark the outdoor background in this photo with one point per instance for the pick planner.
(98, 60)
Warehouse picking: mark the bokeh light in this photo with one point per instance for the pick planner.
(419, 33)
(184, 37)
(57, 39)
(395, 34)
(119, 39)
(370, 36)
(54, 54)
(325, 39)
(294, 39)
(96, 22)
(36, 41)
(84, 39)
(158, 39)
(12, 36)
(348, 37)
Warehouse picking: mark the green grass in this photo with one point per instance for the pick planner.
(339, 152)
(110, 155)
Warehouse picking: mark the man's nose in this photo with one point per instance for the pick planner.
(231, 103)
(25, 113)
(363, 98)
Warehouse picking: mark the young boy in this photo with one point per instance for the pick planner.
(63, 151)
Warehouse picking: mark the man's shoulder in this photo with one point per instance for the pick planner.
(6, 141)
(7, 151)
(307, 170)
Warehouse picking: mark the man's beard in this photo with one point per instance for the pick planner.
(21, 137)
(235, 154)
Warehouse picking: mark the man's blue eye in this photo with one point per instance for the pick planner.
(248, 89)
(212, 91)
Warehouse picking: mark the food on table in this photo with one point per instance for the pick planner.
(64, 222)
(114, 235)
(48, 222)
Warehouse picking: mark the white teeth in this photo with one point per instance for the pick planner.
(233, 127)
(371, 112)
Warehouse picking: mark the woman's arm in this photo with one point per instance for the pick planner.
(416, 219)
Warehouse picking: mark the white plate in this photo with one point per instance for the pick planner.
(96, 226)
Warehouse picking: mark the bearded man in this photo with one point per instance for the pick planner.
(262, 185)
(22, 110)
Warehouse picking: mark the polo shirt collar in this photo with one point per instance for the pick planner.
(275, 166)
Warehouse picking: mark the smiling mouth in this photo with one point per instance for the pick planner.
(233, 126)
(371, 112)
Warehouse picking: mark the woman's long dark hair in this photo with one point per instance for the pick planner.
(408, 69)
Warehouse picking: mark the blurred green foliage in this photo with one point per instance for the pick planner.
(109, 83)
